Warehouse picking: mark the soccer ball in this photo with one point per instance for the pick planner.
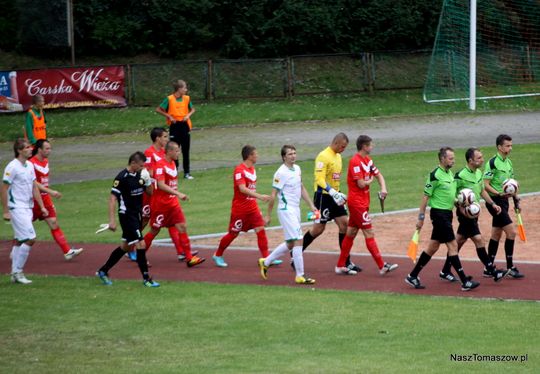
(466, 197)
(510, 186)
(473, 210)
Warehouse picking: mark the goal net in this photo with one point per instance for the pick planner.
(507, 51)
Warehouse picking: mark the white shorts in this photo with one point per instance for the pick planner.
(290, 220)
(21, 220)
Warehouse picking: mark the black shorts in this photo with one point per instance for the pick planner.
(502, 219)
(328, 207)
(468, 227)
(131, 228)
(442, 225)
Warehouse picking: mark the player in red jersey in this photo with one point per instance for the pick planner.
(245, 213)
(165, 209)
(360, 174)
(40, 161)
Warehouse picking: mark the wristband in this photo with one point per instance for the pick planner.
(421, 216)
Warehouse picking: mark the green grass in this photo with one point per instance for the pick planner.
(84, 205)
(68, 123)
(60, 324)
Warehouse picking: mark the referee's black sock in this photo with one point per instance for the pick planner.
(422, 261)
(115, 256)
(509, 251)
(143, 264)
(308, 238)
(493, 247)
(446, 266)
(483, 256)
(456, 263)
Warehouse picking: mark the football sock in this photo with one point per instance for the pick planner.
(483, 256)
(276, 253)
(346, 246)
(115, 256)
(509, 251)
(493, 247)
(298, 260)
(175, 237)
(148, 239)
(60, 239)
(24, 251)
(308, 238)
(186, 244)
(374, 250)
(456, 263)
(14, 257)
(446, 267)
(422, 261)
(262, 242)
(225, 242)
(143, 264)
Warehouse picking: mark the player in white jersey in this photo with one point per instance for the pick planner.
(19, 190)
(288, 189)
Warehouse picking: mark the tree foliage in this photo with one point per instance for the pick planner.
(235, 28)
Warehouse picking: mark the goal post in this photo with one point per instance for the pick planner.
(485, 49)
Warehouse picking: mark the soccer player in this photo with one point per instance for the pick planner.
(35, 127)
(440, 193)
(288, 187)
(165, 207)
(498, 169)
(471, 177)
(127, 190)
(19, 182)
(178, 109)
(327, 198)
(360, 174)
(245, 213)
(40, 161)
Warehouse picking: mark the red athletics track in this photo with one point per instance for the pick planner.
(46, 258)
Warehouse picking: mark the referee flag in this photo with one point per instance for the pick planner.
(413, 246)
(521, 229)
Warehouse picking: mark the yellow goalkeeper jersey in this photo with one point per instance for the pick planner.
(327, 170)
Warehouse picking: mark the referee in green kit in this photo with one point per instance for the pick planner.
(440, 193)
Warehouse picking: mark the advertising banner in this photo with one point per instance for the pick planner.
(63, 88)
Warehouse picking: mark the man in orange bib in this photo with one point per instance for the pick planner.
(35, 127)
(178, 109)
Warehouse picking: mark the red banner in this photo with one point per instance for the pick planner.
(69, 87)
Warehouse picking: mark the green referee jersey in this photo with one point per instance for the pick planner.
(441, 189)
(497, 171)
(466, 178)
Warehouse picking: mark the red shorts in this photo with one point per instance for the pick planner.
(359, 217)
(166, 215)
(146, 200)
(241, 221)
(47, 201)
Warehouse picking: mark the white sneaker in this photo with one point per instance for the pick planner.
(345, 270)
(73, 252)
(20, 278)
(189, 177)
(388, 268)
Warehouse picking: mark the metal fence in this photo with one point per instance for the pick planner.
(284, 77)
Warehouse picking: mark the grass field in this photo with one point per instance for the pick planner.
(66, 123)
(67, 325)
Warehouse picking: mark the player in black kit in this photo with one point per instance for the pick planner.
(128, 189)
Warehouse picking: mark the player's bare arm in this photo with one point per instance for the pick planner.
(362, 183)
(164, 187)
(489, 201)
(112, 212)
(268, 217)
(246, 191)
(191, 112)
(382, 183)
(38, 199)
(492, 190)
(422, 212)
(50, 191)
(5, 208)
